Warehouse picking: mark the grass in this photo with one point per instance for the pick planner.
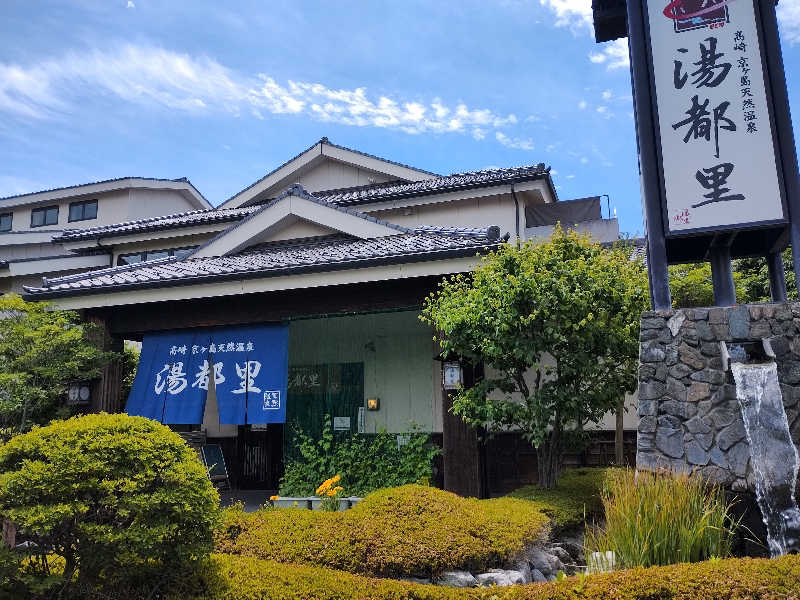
(575, 500)
(660, 519)
(409, 530)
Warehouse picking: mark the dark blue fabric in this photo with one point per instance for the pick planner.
(249, 367)
(256, 372)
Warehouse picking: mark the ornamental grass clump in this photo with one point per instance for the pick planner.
(661, 519)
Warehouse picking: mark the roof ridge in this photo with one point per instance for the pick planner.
(111, 180)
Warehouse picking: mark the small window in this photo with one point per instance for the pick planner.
(5, 221)
(183, 252)
(130, 259)
(44, 216)
(83, 211)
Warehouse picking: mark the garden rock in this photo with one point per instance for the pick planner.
(457, 579)
(420, 580)
(538, 576)
(540, 561)
(500, 577)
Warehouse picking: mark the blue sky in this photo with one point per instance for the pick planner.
(223, 92)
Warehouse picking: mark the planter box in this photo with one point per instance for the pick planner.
(291, 503)
(316, 503)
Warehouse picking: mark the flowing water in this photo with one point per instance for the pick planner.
(773, 455)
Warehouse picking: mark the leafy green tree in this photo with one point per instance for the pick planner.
(41, 352)
(108, 494)
(556, 325)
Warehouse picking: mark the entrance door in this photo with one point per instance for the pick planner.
(334, 389)
(260, 453)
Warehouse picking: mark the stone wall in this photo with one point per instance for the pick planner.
(689, 417)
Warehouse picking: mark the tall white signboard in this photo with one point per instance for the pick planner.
(714, 125)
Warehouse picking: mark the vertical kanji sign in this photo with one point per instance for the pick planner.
(714, 124)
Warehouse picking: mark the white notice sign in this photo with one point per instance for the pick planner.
(713, 119)
(341, 423)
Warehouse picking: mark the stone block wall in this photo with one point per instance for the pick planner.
(689, 417)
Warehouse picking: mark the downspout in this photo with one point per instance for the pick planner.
(516, 212)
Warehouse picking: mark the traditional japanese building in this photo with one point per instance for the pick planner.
(299, 297)
(31, 224)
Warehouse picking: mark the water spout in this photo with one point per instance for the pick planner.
(773, 455)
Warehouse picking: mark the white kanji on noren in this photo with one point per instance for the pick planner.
(201, 378)
(247, 374)
(175, 381)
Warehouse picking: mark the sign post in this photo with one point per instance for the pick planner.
(716, 152)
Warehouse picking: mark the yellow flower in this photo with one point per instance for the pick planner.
(273, 498)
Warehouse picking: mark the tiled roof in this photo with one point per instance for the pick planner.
(184, 219)
(280, 258)
(367, 194)
(341, 197)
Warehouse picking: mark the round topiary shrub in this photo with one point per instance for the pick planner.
(108, 493)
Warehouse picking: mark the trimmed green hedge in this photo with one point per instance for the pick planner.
(575, 500)
(404, 531)
(247, 578)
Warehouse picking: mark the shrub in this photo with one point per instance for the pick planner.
(108, 491)
(661, 519)
(575, 499)
(366, 463)
(405, 531)
(246, 578)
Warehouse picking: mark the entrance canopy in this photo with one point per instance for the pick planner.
(247, 366)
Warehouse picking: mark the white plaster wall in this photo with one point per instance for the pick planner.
(112, 207)
(397, 351)
(471, 212)
(150, 203)
(299, 229)
(332, 174)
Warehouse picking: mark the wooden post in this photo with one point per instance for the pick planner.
(106, 390)
(619, 436)
(461, 454)
(464, 463)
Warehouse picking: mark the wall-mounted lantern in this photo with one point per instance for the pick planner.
(452, 375)
(79, 393)
(373, 403)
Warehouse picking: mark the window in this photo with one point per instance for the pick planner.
(44, 216)
(5, 221)
(137, 257)
(82, 211)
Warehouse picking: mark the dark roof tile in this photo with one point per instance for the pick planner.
(280, 258)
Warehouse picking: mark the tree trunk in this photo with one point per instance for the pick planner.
(548, 458)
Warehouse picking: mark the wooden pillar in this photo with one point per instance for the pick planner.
(463, 457)
(106, 390)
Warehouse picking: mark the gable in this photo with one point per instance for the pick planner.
(298, 209)
(326, 166)
(300, 228)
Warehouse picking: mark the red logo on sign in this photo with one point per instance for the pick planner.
(696, 14)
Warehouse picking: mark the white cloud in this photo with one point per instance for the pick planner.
(613, 54)
(159, 78)
(602, 109)
(789, 19)
(584, 160)
(130, 4)
(606, 94)
(582, 104)
(516, 143)
(575, 14)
